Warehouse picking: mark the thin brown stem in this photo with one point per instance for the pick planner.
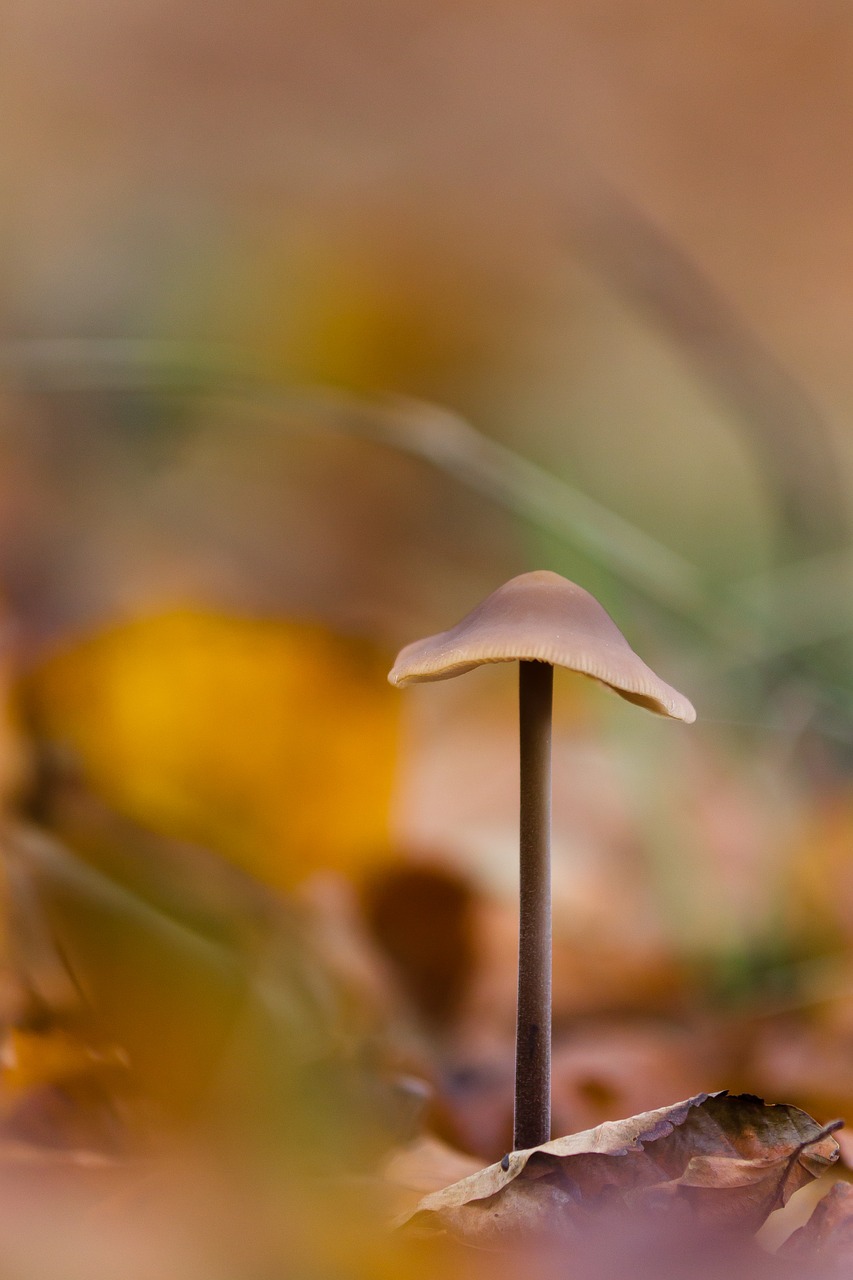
(533, 1037)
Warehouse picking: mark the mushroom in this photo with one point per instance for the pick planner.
(539, 620)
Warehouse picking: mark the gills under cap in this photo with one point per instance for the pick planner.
(544, 618)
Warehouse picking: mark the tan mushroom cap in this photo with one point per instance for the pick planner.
(544, 618)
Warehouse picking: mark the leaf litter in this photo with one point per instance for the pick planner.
(680, 1190)
(729, 1161)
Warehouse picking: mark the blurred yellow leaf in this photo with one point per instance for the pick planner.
(270, 742)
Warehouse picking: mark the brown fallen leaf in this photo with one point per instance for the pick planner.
(425, 1164)
(728, 1161)
(827, 1237)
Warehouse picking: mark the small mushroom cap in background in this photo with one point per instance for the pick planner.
(544, 618)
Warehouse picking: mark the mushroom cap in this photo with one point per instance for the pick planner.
(542, 617)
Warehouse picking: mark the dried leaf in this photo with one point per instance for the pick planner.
(728, 1160)
(828, 1234)
(423, 918)
(426, 1164)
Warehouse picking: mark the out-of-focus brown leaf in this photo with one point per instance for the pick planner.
(728, 1160)
(271, 742)
(425, 1165)
(611, 1067)
(423, 918)
(805, 1053)
(827, 1237)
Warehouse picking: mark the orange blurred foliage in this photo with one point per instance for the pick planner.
(270, 742)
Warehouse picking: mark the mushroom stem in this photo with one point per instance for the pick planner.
(533, 1035)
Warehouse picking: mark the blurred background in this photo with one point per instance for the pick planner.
(319, 321)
